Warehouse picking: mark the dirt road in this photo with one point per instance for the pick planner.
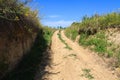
(75, 64)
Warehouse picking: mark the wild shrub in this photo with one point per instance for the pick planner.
(98, 42)
(72, 31)
(48, 32)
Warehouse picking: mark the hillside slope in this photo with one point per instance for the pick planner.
(100, 33)
(23, 41)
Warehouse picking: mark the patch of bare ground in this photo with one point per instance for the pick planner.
(113, 35)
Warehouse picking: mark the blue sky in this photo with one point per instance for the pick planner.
(63, 12)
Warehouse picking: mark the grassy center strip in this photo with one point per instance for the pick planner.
(63, 41)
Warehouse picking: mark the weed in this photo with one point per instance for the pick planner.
(68, 47)
(72, 55)
(86, 74)
(82, 39)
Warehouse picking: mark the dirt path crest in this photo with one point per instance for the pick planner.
(75, 64)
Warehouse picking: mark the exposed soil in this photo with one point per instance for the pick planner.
(75, 64)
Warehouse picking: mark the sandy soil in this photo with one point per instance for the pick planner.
(75, 64)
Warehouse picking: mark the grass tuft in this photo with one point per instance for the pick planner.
(87, 74)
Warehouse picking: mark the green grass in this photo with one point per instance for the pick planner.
(82, 40)
(63, 41)
(87, 74)
(98, 42)
(48, 32)
(72, 32)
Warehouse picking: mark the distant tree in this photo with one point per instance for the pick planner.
(61, 27)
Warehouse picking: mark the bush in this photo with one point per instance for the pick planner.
(98, 41)
(72, 31)
(48, 32)
(83, 39)
(19, 25)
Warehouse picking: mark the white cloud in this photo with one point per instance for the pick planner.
(62, 23)
(54, 16)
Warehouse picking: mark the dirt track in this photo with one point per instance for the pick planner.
(75, 64)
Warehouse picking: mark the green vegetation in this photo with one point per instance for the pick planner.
(59, 35)
(48, 32)
(17, 13)
(72, 55)
(37, 58)
(92, 31)
(19, 22)
(98, 42)
(30, 64)
(72, 31)
(91, 25)
(87, 74)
